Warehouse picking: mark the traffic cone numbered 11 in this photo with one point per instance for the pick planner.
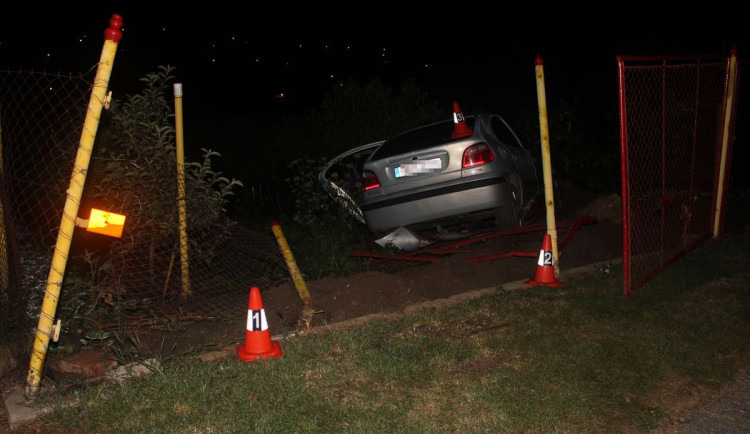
(545, 270)
(258, 343)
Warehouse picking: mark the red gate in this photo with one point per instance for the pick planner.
(676, 120)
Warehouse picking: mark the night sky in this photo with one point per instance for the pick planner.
(280, 56)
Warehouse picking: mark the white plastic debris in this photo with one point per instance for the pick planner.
(403, 239)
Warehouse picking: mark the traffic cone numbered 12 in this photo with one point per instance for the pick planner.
(258, 343)
(545, 270)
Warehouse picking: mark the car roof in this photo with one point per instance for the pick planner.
(419, 138)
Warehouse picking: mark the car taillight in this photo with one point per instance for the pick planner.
(478, 154)
(369, 180)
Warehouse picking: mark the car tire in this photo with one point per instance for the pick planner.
(510, 216)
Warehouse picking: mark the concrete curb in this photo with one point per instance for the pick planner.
(414, 308)
(452, 301)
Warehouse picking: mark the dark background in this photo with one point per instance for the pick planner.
(242, 58)
(245, 68)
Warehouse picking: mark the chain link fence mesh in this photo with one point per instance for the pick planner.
(673, 116)
(110, 283)
(38, 115)
(673, 123)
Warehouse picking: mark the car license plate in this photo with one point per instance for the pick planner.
(418, 168)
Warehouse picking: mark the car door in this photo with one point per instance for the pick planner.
(341, 178)
(526, 164)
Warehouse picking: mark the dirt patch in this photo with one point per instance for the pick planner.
(446, 270)
(588, 232)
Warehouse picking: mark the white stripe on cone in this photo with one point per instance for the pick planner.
(256, 320)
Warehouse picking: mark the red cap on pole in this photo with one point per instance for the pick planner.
(113, 32)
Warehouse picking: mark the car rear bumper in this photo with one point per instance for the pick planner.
(438, 203)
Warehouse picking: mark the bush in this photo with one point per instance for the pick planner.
(350, 115)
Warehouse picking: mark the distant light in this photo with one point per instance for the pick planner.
(213, 60)
(300, 45)
(163, 29)
(281, 95)
(331, 75)
(257, 60)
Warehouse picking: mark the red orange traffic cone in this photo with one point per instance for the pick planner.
(258, 343)
(460, 129)
(545, 270)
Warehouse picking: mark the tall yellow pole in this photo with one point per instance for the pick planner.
(728, 107)
(549, 196)
(181, 199)
(112, 36)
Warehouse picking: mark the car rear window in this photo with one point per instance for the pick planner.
(418, 138)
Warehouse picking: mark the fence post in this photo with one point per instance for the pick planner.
(4, 248)
(112, 36)
(719, 207)
(181, 198)
(548, 190)
(305, 321)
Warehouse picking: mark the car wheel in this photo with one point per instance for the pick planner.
(510, 216)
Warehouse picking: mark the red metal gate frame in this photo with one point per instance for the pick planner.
(728, 110)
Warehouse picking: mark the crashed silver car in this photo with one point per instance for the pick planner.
(461, 170)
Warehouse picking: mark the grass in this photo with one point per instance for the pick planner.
(579, 358)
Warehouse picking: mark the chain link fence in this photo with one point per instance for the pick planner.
(111, 284)
(674, 114)
(672, 126)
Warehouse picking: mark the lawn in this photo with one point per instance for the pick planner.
(578, 358)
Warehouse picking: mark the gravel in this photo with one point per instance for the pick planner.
(725, 413)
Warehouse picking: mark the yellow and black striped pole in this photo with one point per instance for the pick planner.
(181, 194)
(112, 36)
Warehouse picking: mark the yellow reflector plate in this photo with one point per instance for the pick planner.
(106, 223)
